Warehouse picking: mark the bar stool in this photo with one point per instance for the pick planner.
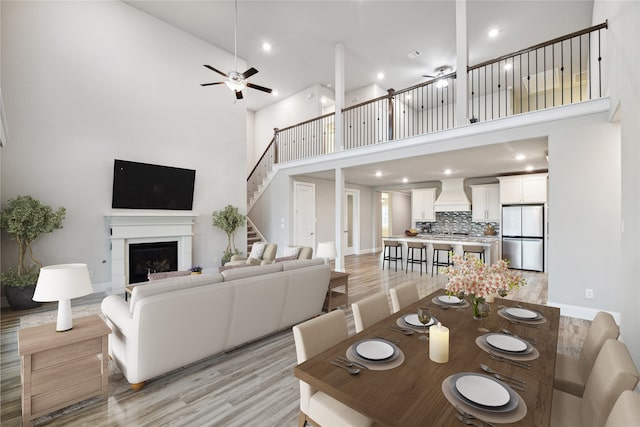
(438, 248)
(411, 257)
(388, 245)
(474, 250)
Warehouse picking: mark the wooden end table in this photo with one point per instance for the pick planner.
(336, 298)
(59, 369)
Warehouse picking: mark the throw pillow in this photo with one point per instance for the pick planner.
(291, 251)
(257, 250)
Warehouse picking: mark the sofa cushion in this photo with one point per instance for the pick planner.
(250, 271)
(229, 266)
(170, 284)
(301, 263)
(291, 251)
(168, 274)
(286, 258)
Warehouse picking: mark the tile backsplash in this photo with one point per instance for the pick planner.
(456, 222)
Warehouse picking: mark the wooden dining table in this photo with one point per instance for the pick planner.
(411, 394)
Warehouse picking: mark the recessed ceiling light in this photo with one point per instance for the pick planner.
(447, 171)
(323, 100)
(529, 168)
(380, 76)
(378, 174)
(405, 180)
(266, 46)
(508, 66)
(274, 93)
(493, 33)
(520, 157)
(408, 97)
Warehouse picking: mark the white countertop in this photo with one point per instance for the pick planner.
(452, 239)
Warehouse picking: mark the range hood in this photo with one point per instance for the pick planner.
(453, 198)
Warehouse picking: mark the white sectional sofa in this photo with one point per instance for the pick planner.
(170, 323)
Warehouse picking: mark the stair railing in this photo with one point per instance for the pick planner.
(263, 167)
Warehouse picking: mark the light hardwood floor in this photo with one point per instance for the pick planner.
(250, 386)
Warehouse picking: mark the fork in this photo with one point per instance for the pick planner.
(519, 364)
(351, 363)
(467, 419)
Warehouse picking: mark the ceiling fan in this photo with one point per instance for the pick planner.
(236, 81)
(440, 72)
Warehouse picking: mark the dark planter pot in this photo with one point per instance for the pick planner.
(21, 298)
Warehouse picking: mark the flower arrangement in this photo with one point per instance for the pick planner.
(470, 276)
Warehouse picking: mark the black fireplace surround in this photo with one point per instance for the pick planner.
(156, 257)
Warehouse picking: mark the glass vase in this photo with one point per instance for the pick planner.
(474, 304)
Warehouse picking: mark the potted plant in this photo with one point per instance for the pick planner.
(229, 220)
(25, 219)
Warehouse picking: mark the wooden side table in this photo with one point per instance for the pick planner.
(62, 368)
(336, 298)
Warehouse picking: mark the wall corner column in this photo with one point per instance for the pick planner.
(339, 192)
(339, 97)
(462, 62)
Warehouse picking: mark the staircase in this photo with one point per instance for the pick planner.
(253, 236)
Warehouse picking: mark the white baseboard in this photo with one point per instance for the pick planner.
(585, 313)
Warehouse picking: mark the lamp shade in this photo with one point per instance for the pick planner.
(62, 282)
(326, 250)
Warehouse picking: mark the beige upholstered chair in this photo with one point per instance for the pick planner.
(571, 374)
(626, 411)
(311, 338)
(403, 296)
(370, 310)
(256, 257)
(612, 373)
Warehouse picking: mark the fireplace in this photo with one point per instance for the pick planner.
(128, 229)
(145, 258)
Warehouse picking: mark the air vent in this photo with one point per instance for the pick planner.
(545, 80)
(580, 78)
(414, 54)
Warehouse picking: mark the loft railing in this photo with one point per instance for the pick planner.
(561, 71)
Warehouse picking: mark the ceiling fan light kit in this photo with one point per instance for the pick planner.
(236, 81)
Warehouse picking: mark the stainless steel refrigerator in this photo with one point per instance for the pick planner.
(523, 236)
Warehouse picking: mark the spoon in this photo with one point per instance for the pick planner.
(352, 371)
(466, 421)
(508, 332)
(492, 371)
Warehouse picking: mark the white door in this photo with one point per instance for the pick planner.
(351, 222)
(304, 206)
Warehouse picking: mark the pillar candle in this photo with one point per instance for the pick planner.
(439, 343)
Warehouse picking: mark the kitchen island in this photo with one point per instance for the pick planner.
(458, 242)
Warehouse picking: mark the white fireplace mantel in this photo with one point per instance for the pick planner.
(127, 228)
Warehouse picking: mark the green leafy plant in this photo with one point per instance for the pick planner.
(229, 220)
(26, 219)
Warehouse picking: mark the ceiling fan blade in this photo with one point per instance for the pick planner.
(250, 72)
(262, 88)
(210, 84)
(431, 77)
(217, 71)
(239, 94)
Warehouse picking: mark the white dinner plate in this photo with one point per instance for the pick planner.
(374, 350)
(506, 343)
(449, 299)
(522, 313)
(412, 320)
(482, 390)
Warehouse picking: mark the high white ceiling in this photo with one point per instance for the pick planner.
(377, 36)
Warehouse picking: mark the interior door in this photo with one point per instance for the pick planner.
(351, 222)
(304, 206)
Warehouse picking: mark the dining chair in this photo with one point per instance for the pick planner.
(370, 310)
(402, 296)
(613, 373)
(626, 411)
(312, 337)
(571, 373)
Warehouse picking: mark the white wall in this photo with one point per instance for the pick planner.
(87, 82)
(401, 212)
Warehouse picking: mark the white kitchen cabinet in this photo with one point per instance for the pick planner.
(485, 203)
(523, 189)
(422, 204)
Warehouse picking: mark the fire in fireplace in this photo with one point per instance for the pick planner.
(156, 257)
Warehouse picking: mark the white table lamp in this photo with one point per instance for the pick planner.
(61, 283)
(326, 250)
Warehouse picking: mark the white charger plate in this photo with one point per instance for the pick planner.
(506, 343)
(374, 350)
(412, 320)
(522, 313)
(482, 390)
(449, 299)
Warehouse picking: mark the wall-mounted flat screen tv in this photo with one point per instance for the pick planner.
(146, 186)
